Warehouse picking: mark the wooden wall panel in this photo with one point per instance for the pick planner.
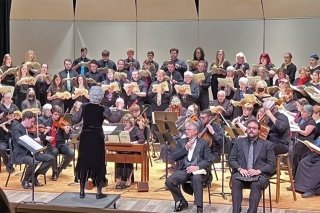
(105, 10)
(42, 10)
(230, 9)
(165, 10)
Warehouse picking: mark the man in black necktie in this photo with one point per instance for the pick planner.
(251, 157)
(192, 154)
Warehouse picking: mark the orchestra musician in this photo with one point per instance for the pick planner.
(225, 103)
(20, 90)
(251, 156)
(313, 62)
(31, 101)
(198, 55)
(242, 121)
(110, 95)
(241, 62)
(212, 132)
(189, 99)
(21, 155)
(288, 67)
(133, 97)
(279, 127)
(5, 135)
(78, 62)
(94, 73)
(91, 153)
(105, 61)
(9, 79)
(175, 106)
(131, 63)
(180, 65)
(192, 113)
(55, 137)
(124, 171)
(192, 154)
(140, 119)
(159, 101)
(42, 84)
(55, 87)
(219, 62)
(203, 99)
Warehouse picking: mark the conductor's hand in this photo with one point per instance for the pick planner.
(210, 129)
(191, 169)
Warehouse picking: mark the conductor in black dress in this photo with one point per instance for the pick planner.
(91, 156)
(251, 156)
(192, 154)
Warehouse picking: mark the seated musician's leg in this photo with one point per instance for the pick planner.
(3, 152)
(68, 155)
(46, 162)
(26, 181)
(54, 152)
(173, 183)
(196, 183)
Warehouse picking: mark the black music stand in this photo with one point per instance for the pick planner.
(222, 193)
(34, 148)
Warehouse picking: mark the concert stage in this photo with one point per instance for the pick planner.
(152, 201)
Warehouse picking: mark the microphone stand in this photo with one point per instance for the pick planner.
(222, 193)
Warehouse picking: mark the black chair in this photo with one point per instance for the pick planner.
(12, 160)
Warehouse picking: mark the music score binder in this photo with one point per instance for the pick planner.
(30, 144)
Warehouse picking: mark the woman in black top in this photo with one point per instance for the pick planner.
(91, 157)
(124, 171)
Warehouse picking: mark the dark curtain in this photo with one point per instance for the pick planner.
(5, 6)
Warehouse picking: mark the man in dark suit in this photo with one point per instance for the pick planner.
(21, 155)
(251, 157)
(192, 154)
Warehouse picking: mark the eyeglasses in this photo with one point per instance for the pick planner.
(252, 127)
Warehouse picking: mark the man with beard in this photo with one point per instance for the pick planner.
(253, 161)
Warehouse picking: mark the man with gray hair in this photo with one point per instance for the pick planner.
(192, 154)
(225, 103)
(189, 99)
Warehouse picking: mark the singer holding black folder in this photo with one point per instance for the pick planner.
(253, 161)
(21, 155)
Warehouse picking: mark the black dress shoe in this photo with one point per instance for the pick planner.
(82, 195)
(26, 185)
(54, 176)
(181, 205)
(199, 209)
(37, 183)
(100, 196)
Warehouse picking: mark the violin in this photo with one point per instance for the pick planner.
(41, 128)
(61, 123)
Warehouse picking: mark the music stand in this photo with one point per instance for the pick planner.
(222, 193)
(34, 148)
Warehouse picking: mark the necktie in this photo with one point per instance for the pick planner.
(68, 82)
(250, 157)
(82, 70)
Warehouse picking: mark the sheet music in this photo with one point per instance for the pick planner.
(107, 130)
(30, 144)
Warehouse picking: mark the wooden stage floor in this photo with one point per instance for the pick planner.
(131, 198)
